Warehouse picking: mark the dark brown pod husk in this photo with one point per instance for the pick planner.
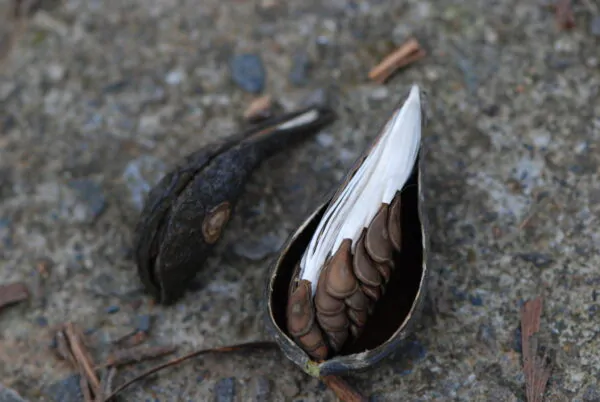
(370, 290)
(186, 213)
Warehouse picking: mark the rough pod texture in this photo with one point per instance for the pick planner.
(186, 212)
(348, 285)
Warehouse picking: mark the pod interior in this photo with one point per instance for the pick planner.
(392, 309)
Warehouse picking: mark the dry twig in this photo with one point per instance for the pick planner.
(13, 293)
(137, 354)
(72, 347)
(342, 389)
(536, 368)
(406, 54)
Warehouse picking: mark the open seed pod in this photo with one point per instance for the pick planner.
(186, 213)
(349, 283)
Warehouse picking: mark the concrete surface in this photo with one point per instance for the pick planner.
(98, 98)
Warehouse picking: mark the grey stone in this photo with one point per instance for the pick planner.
(225, 390)
(248, 72)
(66, 390)
(257, 249)
(9, 395)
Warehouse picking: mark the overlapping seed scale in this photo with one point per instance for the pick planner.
(351, 283)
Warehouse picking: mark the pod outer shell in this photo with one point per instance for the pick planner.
(342, 365)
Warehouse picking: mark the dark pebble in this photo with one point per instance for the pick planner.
(112, 309)
(299, 72)
(248, 72)
(261, 389)
(116, 86)
(476, 300)
(486, 334)
(9, 395)
(67, 390)
(41, 321)
(517, 344)
(538, 259)
(143, 323)
(225, 390)
(91, 194)
(591, 394)
(595, 26)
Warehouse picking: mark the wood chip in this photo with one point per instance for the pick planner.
(13, 293)
(259, 109)
(536, 368)
(564, 14)
(406, 54)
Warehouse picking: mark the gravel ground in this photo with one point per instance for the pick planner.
(99, 98)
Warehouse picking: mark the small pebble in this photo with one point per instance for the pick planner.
(41, 321)
(476, 300)
(299, 72)
(538, 259)
(91, 195)
(257, 249)
(112, 309)
(9, 395)
(225, 390)
(517, 340)
(595, 26)
(141, 175)
(261, 389)
(486, 334)
(318, 97)
(66, 390)
(143, 323)
(591, 394)
(248, 72)
(174, 77)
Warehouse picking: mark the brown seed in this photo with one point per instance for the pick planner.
(394, 227)
(325, 303)
(333, 323)
(359, 318)
(300, 310)
(385, 270)
(377, 242)
(301, 322)
(314, 344)
(340, 281)
(337, 339)
(374, 293)
(364, 268)
(358, 301)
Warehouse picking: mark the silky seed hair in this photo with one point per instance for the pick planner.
(382, 174)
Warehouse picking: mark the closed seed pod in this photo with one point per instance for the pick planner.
(349, 283)
(186, 213)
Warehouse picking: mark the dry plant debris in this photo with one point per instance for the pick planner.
(137, 354)
(564, 14)
(259, 109)
(72, 347)
(536, 368)
(341, 388)
(13, 293)
(408, 53)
